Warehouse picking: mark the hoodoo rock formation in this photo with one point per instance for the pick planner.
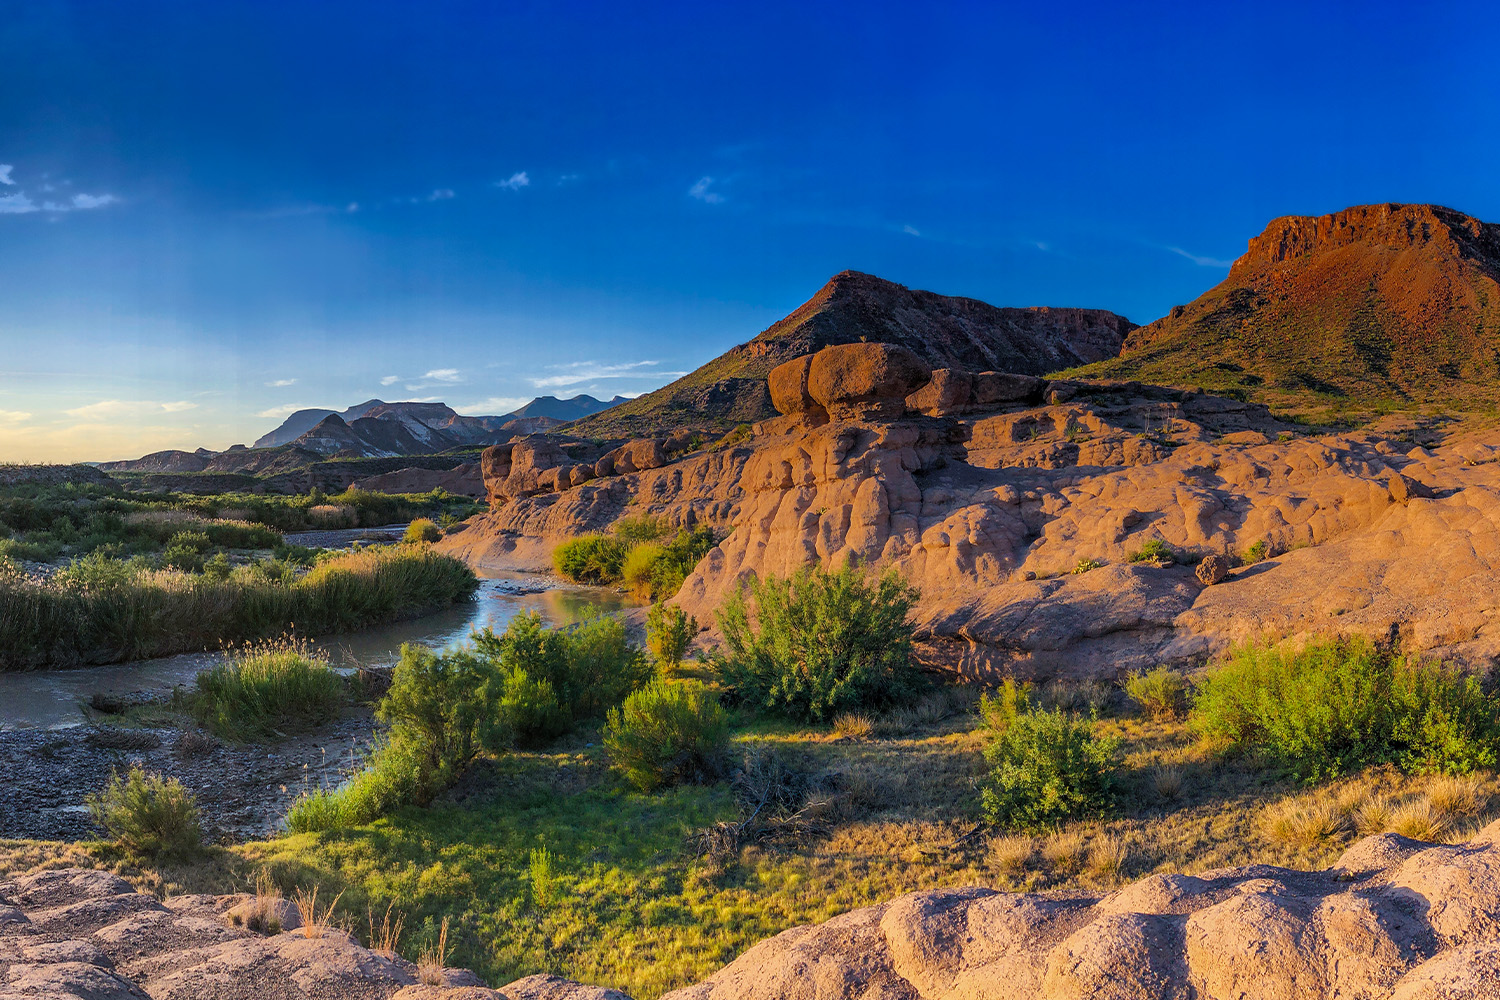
(988, 490)
(943, 331)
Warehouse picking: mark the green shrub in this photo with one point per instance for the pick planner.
(642, 528)
(422, 530)
(590, 559)
(1085, 565)
(526, 711)
(148, 815)
(1258, 552)
(266, 689)
(434, 705)
(668, 733)
(196, 540)
(183, 557)
(1046, 767)
(217, 567)
(821, 644)
(1154, 551)
(1336, 706)
(1161, 693)
(678, 558)
(639, 566)
(669, 630)
(387, 781)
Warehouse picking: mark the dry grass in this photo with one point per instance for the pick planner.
(434, 959)
(1373, 816)
(853, 726)
(1108, 855)
(265, 915)
(1010, 854)
(1166, 780)
(386, 935)
(1458, 795)
(1064, 850)
(1305, 822)
(1419, 819)
(315, 921)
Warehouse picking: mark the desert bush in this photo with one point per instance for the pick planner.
(1047, 766)
(591, 559)
(677, 560)
(1334, 707)
(668, 733)
(1161, 693)
(265, 688)
(148, 815)
(1154, 550)
(641, 528)
(1258, 552)
(669, 630)
(821, 643)
(1086, 564)
(435, 704)
(423, 529)
(639, 566)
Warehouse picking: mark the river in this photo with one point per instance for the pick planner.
(50, 699)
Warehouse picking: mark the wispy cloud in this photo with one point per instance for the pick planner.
(20, 203)
(282, 411)
(440, 194)
(493, 407)
(515, 181)
(390, 379)
(701, 191)
(1201, 261)
(427, 380)
(16, 204)
(86, 201)
(106, 409)
(580, 372)
(13, 416)
(282, 383)
(5, 169)
(911, 230)
(568, 179)
(444, 375)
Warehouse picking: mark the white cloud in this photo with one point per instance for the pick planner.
(568, 179)
(701, 191)
(910, 230)
(588, 371)
(390, 379)
(107, 409)
(515, 181)
(1201, 261)
(17, 416)
(444, 375)
(282, 383)
(16, 204)
(5, 169)
(93, 200)
(353, 206)
(282, 411)
(440, 194)
(494, 406)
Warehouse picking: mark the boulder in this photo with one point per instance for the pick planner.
(788, 386)
(995, 389)
(1213, 569)
(1403, 490)
(948, 393)
(864, 382)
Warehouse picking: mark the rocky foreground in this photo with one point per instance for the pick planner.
(1394, 919)
(1015, 505)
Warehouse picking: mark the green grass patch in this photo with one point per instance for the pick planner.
(265, 690)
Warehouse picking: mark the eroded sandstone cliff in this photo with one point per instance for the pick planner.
(989, 490)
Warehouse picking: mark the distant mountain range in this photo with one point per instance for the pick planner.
(945, 331)
(372, 429)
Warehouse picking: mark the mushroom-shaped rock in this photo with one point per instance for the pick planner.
(788, 386)
(865, 381)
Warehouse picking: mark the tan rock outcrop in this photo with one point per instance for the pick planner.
(865, 381)
(88, 935)
(987, 511)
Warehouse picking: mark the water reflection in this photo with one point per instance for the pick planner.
(50, 698)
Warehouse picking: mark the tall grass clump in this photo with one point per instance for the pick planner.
(1334, 707)
(265, 689)
(149, 816)
(1161, 693)
(668, 733)
(105, 611)
(819, 643)
(1045, 766)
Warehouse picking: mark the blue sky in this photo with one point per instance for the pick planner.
(216, 212)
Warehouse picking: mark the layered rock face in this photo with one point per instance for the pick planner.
(986, 490)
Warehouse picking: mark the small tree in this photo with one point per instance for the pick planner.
(669, 630)
(148, 815)
(669, 732)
